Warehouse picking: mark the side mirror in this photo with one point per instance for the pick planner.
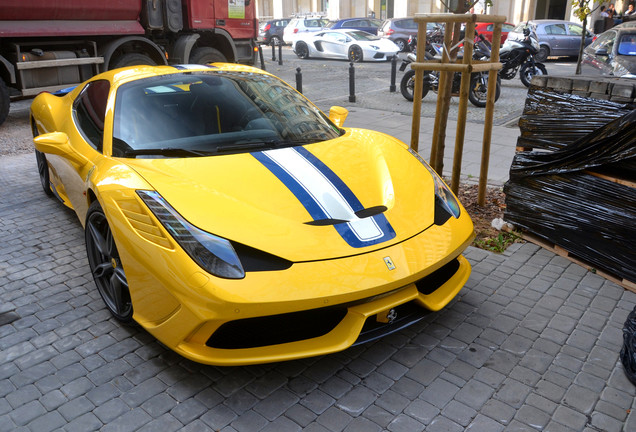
(57, 143)
(338, 115)
(601, 52)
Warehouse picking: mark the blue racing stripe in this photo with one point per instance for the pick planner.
(313, 207)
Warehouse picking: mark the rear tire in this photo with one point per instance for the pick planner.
(5, 101)
(527, 72)
(302, 50)
(204, 55)
(543, 54)
(132, 59)
(478, 93)
(402, 44)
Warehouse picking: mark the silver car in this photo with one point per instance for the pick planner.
(556, 37)
(613, 52)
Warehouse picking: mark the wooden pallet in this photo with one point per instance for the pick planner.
(558, 250)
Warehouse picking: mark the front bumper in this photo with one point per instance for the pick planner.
(331, 304)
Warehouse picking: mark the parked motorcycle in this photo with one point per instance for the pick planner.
(477, 93)
(436, 35)
(518, 55)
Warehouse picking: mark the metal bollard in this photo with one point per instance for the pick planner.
(393, 73)
(299, 80)
(352, 83)
(260, 56)
(280, 53)
(273, 52)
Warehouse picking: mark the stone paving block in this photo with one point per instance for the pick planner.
(167, 423)
(300, 415)
(334, 419)
(403, 423)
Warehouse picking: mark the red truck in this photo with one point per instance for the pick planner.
(51, 45)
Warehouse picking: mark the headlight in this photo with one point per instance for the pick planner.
(214, 254)
(442, 192)
(375, 47)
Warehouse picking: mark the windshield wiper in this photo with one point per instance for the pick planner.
(249, 145)
(167, 151)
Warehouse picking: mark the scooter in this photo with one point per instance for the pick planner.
(478, 80)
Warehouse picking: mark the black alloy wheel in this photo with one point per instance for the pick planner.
(302, 50)
(43, 171)
(106, 265)
(355, 54)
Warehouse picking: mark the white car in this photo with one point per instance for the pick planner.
(354, 45)
(298, 27)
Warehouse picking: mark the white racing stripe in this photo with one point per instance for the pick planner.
(323, 192)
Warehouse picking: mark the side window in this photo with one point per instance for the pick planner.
(89, 111)
(606, 41)
(555, 29)
(575, 30)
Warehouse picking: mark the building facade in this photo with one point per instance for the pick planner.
(515, 10)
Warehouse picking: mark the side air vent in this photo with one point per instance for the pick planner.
(143, 224)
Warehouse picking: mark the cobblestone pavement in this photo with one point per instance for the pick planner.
(531, 343)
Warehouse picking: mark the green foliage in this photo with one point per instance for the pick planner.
(499, 243)
(581, 8)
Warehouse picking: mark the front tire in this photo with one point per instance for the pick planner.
(106, 265)
(355, 54)
(543, 54)
(527, 72)
(204, 55)
(302, 50)
(407, 85)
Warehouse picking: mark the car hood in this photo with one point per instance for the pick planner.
(357, 193)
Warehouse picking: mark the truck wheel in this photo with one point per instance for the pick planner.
(132, 59)
(203, 55)
(4, 101)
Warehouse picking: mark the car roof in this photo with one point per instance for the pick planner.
(625, 25)
(133, 73)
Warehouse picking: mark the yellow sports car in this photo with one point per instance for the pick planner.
(237, 223)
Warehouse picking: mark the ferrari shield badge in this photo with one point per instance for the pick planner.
(389, 263)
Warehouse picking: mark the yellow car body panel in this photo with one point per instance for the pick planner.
(242, 197)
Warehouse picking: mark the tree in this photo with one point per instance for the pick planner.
(581, 10)
(457, 7)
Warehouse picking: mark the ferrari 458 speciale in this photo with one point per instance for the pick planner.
(237, 223)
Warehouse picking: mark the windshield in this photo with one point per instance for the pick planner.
(627, 45)
(362, 36)
(216, 112)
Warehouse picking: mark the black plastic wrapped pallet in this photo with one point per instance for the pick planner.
(557, 195)
(552, 120)
(590, 217)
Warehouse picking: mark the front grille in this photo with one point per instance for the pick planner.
(276, 329)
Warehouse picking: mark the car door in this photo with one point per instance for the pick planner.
(335, 44)
(558, 39)
(574, 41)
(85, 134)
